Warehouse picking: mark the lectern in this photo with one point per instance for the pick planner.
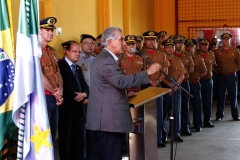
(143, 139)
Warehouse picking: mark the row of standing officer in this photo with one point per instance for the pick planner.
(197, 70)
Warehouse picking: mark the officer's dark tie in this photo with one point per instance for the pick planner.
(76, 76)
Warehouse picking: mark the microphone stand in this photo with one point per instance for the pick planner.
(174, 83)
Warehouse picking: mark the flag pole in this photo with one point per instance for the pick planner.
(21, 133)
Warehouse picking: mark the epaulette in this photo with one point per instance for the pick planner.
(210, 51)
(187, 53)
(197, 55)
(120, 55)
(51, 48)
(176, 57)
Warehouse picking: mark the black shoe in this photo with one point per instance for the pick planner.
(218, 119)
(164, 140)
(187, 133)
(178, 139)
(161, 145)
(236, 119)
(210, 125)
(199, 129)
(124, 151)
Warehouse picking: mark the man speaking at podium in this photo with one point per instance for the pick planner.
(108, 112)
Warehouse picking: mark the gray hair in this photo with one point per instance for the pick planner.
(109, 33)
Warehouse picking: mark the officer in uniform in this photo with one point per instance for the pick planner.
(177, 71)
(52, 79)
(139, 43)
(228, 63)
(130, 63)
(206, 81)
(161, 37)
(156, 56)
(189, 67)
(98, 45)
(85, 61)
(200, 71)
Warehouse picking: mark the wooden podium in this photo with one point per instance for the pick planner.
(143, 139)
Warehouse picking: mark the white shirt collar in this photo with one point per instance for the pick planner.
(68, 61)
(114, 56)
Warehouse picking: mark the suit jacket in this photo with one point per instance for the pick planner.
(70, 86)
(108, 107)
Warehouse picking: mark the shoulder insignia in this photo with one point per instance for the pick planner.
(187, 53)
(175, 57)
(211, 51)
(50, 47)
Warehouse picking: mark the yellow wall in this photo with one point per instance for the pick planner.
(76, 17)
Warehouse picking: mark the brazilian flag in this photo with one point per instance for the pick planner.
(7, 70)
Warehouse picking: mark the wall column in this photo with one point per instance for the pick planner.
(126, 17)
(45, 8)
(103, 15)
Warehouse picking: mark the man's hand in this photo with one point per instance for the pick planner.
(85, 101)
(154, 68)
(57, 93)
(155, 83)
(80, 96)
(131, 94)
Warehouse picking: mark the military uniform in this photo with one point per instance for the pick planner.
(207, 84)
(228, 63)
(50, 69)
(175, 70)
(187, 61)
(157, 57)
(195, 90)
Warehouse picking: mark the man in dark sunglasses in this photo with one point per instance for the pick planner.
(98, 46)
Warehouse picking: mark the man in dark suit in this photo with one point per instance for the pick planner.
(108, 113)
(70, 113)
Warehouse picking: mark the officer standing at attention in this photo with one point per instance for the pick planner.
(200, 71)
(52, 79)
(139, 43)
(87, 46)
(130, 63)
(156, 56)
(177, 71)
(206, 81)
(161, 37)
(228, 63)
(187, 61)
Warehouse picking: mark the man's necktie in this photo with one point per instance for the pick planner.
(76, 76)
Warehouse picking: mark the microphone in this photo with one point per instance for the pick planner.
(149, 61)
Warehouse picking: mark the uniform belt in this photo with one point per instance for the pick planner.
(226, 74)
(133, 89)
(48, 93)
(194, 82)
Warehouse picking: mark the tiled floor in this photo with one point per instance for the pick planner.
(219, 143)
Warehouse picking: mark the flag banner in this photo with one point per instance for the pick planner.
(6, 70)
(29, 109)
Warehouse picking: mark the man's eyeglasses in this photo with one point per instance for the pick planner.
(98, 45)
(88, 43)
